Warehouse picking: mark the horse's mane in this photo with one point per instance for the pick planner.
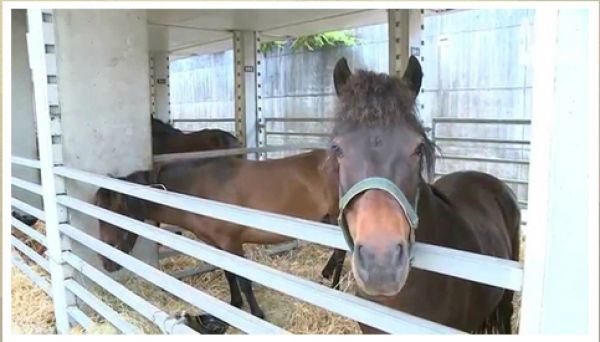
(159, 127)
(370, 99)
(105, 196)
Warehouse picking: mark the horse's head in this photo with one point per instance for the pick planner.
(119, 203)
(381, 148)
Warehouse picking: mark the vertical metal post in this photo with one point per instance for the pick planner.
(398, 37)
(161, 81)
(239, 100)
(260, 124)
(247, 88)
(152, 87)
(405, 36)
(42, 59)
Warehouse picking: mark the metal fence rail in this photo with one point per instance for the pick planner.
(202, 120)
(298, 119)
(298, 134)
(101, 308)
(38, 280)
(161, 319)
(32, 233)
(234, 316)
(482, 121)
(29, 186)
(26, 162)
(27, 208)
(161, 158)
(80, 317)
(30, 253)
(474, 266)
(487, 160)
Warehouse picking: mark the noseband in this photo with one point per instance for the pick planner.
(389, 187)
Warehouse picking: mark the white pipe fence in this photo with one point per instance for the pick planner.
(507, 274)
(166, 322)
(100, 307)
(471, 266)
(162, 158)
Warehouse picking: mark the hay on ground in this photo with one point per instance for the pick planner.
(287, 312)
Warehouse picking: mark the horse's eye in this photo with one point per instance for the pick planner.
(337, 150)
(419, 150)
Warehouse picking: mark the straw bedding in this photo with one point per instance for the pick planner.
(287, 312)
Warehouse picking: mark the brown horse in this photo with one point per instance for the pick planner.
(384, 157)
(296, 186)
(167, 139)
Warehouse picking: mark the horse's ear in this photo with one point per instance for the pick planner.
(413, 74)
(341, 73)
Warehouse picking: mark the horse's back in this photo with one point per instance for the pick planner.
(207, 139)
(489, 206)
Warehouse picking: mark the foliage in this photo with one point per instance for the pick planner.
(313, 42)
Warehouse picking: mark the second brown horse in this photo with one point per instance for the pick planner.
(298, 186)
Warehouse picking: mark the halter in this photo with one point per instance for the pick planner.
(389, 187)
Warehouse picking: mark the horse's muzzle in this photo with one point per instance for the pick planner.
(381, 271)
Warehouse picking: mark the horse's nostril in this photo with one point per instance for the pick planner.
(398, 255)
(360, 254)
(400, 250)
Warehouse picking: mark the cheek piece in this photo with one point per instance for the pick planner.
(389, 187)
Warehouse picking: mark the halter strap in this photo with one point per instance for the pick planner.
(387, 186)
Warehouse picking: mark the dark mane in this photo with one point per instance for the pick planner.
(159, 128)
(370, 99)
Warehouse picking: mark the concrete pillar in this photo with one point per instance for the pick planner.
(24, 141)
(103, 81)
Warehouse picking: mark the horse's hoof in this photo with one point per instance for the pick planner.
(206, 324)
(237, 303)
(259, 313)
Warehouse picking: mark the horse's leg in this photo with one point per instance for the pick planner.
(334, 267)
(339, 256)
(236, 248)
(328, 269)
(234, 290)
(246, 286)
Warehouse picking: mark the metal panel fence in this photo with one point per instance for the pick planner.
(472, 162)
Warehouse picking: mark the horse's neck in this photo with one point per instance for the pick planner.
(438, 218)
